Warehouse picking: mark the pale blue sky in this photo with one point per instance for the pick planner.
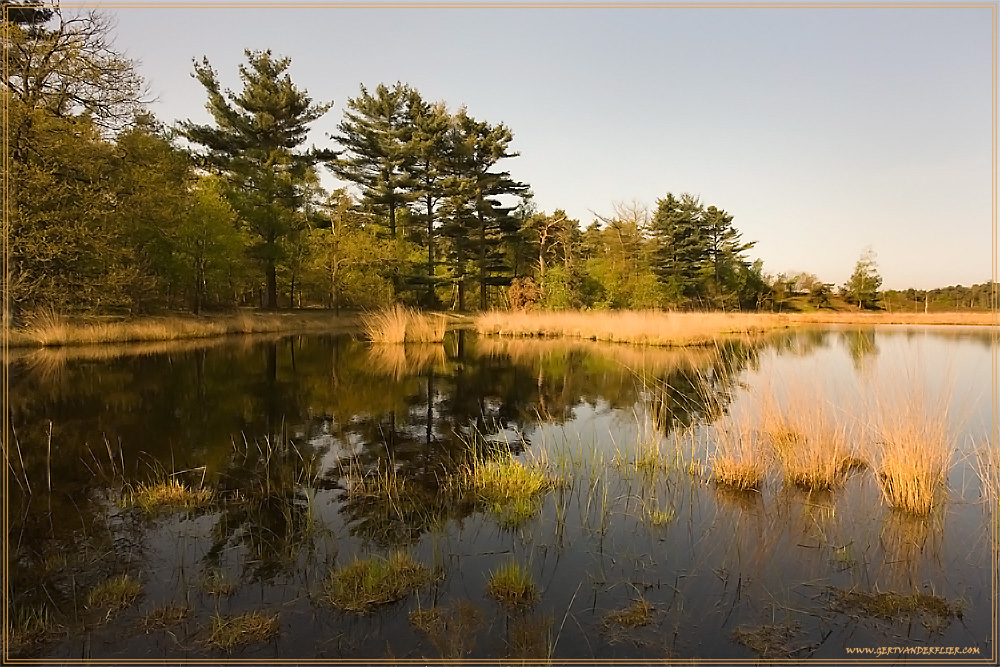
(823, 131)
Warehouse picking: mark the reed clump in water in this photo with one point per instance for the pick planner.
(508, 488)
(637, 614)
(165, 495)
(814, 448)
(403, 325)
(363, 585)
(738, 461)
(115, 593)
(512, 586)
(914, 453)
(227, 633)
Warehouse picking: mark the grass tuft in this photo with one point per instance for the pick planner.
(637, 614)
(895, 605)
(166, 495)
(737, 462)
(164, 616)
(511, 586)
(768, 641)
(403, 325)
(363, 585)
(914, 454)
(508, 488)
(230, 632)
(115, 593)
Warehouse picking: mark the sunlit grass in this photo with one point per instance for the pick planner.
(50, 328)
(738, 461)
(115, 593)
(403, 325)
(165, 495)
(508, 488)
(230, 632)
(30, 627)
(164, 616)
(363, 585)
(512, 586)
(647, 327)
(914, 453)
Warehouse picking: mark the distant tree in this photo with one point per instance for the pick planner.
(862, 287)
(682, 250)
(253, 146)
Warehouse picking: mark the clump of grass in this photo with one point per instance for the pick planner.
(115, 593)
(164, 616)
(895, 605)
(988, 471)
(815, 449)
(510, 489)
(637, 614)
(511, 586)
(658, 517)
(738, 461)
(227, 633)
(914, 454)
(363, 585)
(768, 641)
(215, 583)
(403, 325)
(166, 495)
(451, 631)
(30, 627)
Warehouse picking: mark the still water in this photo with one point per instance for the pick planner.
(278, 428)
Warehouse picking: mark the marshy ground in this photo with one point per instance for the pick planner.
(782, 496)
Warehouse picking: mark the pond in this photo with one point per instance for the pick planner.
(316, 456)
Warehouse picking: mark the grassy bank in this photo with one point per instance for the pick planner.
(689, 328)
(52, 330)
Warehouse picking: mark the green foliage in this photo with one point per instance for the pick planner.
(252, 146)
(558, 291)
(862, 287)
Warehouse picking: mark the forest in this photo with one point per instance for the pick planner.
(112, 211)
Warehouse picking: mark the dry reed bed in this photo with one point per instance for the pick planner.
(404, 325)
(904, 440)
(646, 327)
(52, 329)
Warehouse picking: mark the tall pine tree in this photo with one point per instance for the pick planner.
(253, 146)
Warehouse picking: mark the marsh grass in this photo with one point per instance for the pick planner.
(217, 584)
(165, 495)
(164, 616)
(914, 453)
(646, 327)
(512, 586)
(637, 614)
(530, 639)
(115, 593)
(894, 606)
(363, 585)
(737, 462)
(988, 470)
(30, 628)
(230, 632)
(451, 630)
(815, 447)
(508, 488)
(403, 325)
(51, 328)
(768, 641)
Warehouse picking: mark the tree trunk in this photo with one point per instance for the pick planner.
(272, 286)
(482, 261)
(430, 253)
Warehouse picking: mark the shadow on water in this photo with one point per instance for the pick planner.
(320, 450)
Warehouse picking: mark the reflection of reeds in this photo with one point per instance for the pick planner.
(988, 471)
(908, 543)
(453, 630)
(403, 325)
(399, 361)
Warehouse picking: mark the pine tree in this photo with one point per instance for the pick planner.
(375, 135)
(253, 145)
(682, 248)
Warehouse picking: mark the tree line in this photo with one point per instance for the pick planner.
(111, 210)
